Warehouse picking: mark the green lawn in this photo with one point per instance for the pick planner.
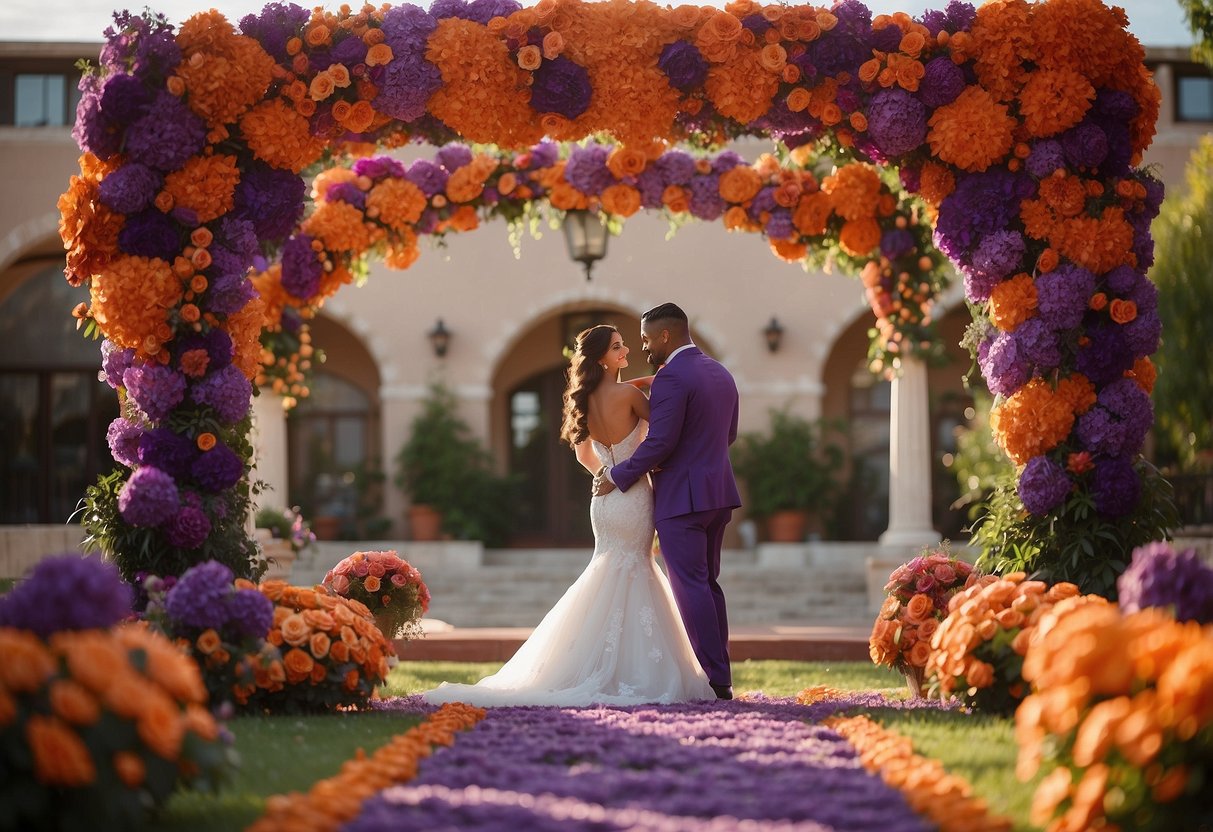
(283, 754)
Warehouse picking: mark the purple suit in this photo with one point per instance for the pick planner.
(693, 421)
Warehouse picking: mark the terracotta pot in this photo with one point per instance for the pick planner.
(326, 527)
(787, 526)
(425, 522)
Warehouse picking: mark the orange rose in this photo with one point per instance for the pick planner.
(351, 679)
(371, 583)
(130, 768)
(553, 45)
(740, 184)
(379, 55)
(60, 756)
(621, 200)
(27, 664)
(319, 673)
(298, 665)
(206, 441)
(295, 631)
(919, 608)
(979, 674)
(322, 86)
(73, 703)
(340, 75)
(1098, 301)
(798, 99)
(318, 35)
(859, 237)
(161, 726)
(340, 651)
(773, 58)
(319, 644)
(927, 628)
(625, 161)
(920, 653)
(1122, 311)
(530, 57)
(208, 642)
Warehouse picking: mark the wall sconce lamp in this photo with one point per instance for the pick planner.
(440, 338)
(774, 334)
(585, 234)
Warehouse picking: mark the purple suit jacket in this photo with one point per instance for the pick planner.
(692, 422)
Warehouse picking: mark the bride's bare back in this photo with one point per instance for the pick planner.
(615, 408)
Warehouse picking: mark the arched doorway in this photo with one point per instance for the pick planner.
(53, 413)
(333, 439)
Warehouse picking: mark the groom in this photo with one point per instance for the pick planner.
(693, 421)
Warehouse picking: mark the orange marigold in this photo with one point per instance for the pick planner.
(973, 132)
(341, 227)
(1012, 302)
(280, 136)
(859, 237)
(1097, 244)
(131, 298)
(244, 328)
(60, 757)
(1031, 422)
(936, 182)
(812, 213)
(1053, 100)
(205, 185)
(1002, 45)
(792, 251)
(395, 202)
(1077, 391)
(224, 73)
(740, 184)
(463, 185)
(1144, 373)
(740, 88)
(854, 190)
(621, 200)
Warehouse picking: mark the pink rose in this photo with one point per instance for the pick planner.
(944, 573)
(925, 584)
(340, 584)
(362, 569)
(399, 580)
(376, 568)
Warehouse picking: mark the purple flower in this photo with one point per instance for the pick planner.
(780, 225)
(684, 64)
(1160, 577)
(1002, 366)
(1085, 145)
(454, 156)
(216, 342)
(428, 176)
(586, 169)
(167, 135)
(217, 469)
(1118, 423)
(960, 16)
(407, 25)
(148, 498)
(167, 450)
(130, 188)
(1045, 157)
(277, 23)
(544, 155)
(981, 204)
(1037, 343)
(651, 186)
(346, 192)
(239, 237)
(144, 46)
(270, 199)
(1043, 485)
(1142, 334)
(301, 269)
(151, 233)
(897, 121)
(188, 528)
(227, 392)
(560, 86)
(449, 8)
(122, 437)
(999, 254)
(1106, 355)
(378, 167)
(229, 291)
(1115, 487)
(942, 83)
(93, 132)
(114, 362)
(482, 11)
(249, 613)
(1063, 294)
(895, 242)
(198, 599)
(979, 285)
(156, 389)
(408, 81)
(67, 592)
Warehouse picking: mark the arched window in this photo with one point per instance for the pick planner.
(53, 412)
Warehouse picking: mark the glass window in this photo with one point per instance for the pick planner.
(40, 100)
(1195, 99)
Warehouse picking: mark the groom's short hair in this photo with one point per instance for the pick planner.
(666, 312)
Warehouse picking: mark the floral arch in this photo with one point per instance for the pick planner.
(1006, 138)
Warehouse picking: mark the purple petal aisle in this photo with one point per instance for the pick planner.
(754, 764)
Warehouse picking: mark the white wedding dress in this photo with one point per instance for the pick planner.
(615, 637)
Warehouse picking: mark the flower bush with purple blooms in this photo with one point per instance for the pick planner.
(67, 592)
(1175, 580)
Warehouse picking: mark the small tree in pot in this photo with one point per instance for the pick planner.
(790, 473)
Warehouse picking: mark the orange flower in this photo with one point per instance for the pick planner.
(676, 199)
(280, 136)
(973, 132)
(160, 725)
(205, 185)
(530, 57)
(859, 237)
(295, 630)
(936, 182)
(298, 665)
(854, 190)
(1047, 261)
(920, 653)
(27, 664)
(626, 161)
(463, 185)
(379, 55)
(319, 644)
(1122, 311)
(208, 642)
(131, 299)
(396, 202)
(1031, 422)
(740, 88)
(621, 200)
(919, 608)
(371, 583)
(1053, 100)
(718, 36)
(553, 45)
(793, 251)
(224, 73)
(1144, 373)
(740, 184)
(73, 703)
(130, 768)
(206, 441)
(60, 756)
(1098, 302)
(1012, 302)
(812, 213)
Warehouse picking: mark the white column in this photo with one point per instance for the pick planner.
(910, 461)
(269, 449)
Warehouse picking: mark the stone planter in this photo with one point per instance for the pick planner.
(425, 522)
(278, 554)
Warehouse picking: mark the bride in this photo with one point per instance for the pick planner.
(615, 637)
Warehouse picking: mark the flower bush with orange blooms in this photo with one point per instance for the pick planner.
(1121, 719)
(1022, 125)
(332, 653)
(918, 596)
(100, 722)
(389, 586)
(977, 654)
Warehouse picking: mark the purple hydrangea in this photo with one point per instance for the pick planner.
(999, 254)
(543, 155)
(726, 161)
(167, 450)
(378, 167)
(230, 291)
(198, 600)
(651, 186)
(942, 82)
(780, 225)
(1062, 295)
(1142, 334)
(301, 269)
(454, 156)
(1043, 485)
(428, 176)
(407, 83)
(188, 528)
(848, 44)
(897, 121)
(347, 192)
(270, 199)
(123, 437)
(249, 613)
(1002, 366)
(155, 388)
(130, 188)
(1106, 355)
(1159, 576)
(706, 201)
(895, 242)
(217, 469)
(981, 204)
(67, 592)
(683, 64)
(216, 342)
(1037, 343)
(124, 99)
(168, 135)
(961, 16)
(225, 391)
(482, 11)
(586, 169)
(1115, 487)
(151, 233)
(978, 285)
(114, 362)
(1118, 423)
(1085, 145)
(560, 86)
(675, 167)
(148, 498)
(277, 24)
(143, 44)
(239, 237)
(1045, 157)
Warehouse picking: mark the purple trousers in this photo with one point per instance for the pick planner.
(690, 546)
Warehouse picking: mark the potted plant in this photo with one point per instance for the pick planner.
(290, 535)
(448, 477)
(790, 474)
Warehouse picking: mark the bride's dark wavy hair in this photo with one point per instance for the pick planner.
(585, 374)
